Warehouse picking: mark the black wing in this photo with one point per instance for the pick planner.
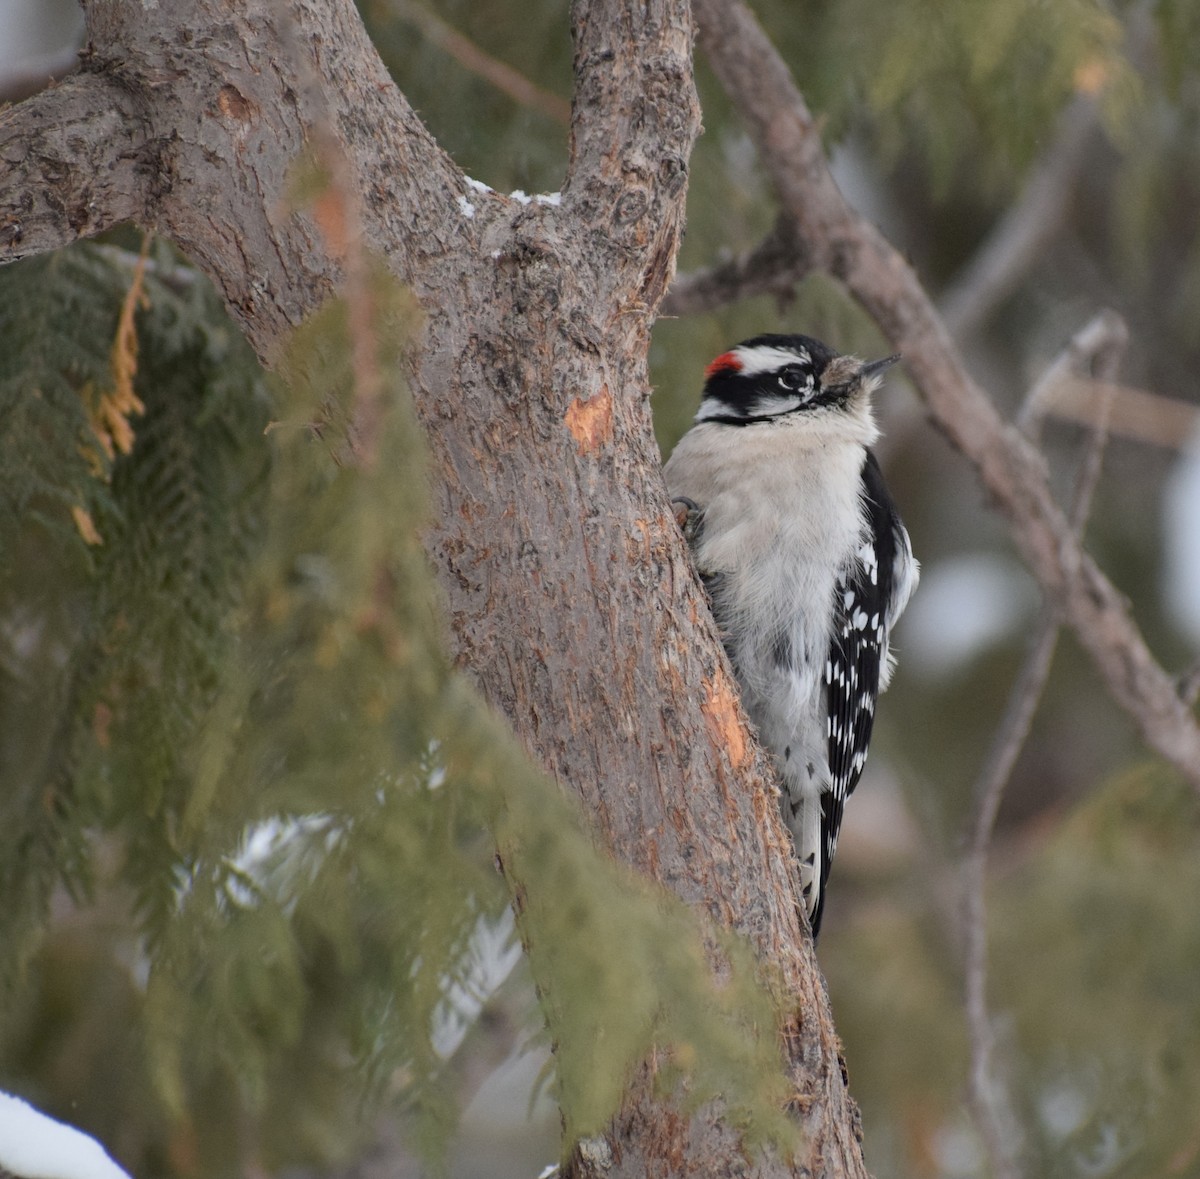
(855, 662)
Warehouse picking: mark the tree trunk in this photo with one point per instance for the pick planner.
(569, 594)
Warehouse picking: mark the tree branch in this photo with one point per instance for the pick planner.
(772, 267)
(493, 71)
(78, 159)
(851, 249)
(117, 143)
(1017, 240)
(1004, 256)
(1092, 347)
(1097, 346)
(1132, 413)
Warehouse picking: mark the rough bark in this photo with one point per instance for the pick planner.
(570, 597)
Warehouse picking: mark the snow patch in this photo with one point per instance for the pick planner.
(493, 954)
(966, 606)
(34, 1146)
(1182, 541)
(466, 208)
(542, 198)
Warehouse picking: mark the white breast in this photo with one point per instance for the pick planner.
(782, 520)
(781, 510)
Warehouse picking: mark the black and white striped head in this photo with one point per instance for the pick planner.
(775, 377)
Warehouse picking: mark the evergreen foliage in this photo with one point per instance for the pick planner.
(268, 751)
(1106, 1066)
(58, 315)
(1093, 950)
(113, 629)
(228, 731)
(976, 81)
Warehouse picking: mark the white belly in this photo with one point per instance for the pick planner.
(781, 523)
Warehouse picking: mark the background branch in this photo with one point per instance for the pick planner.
(1017, 240)
(473, 59)
(772, 267)
(989, 1111)
(1132, 413)
(1099, 346)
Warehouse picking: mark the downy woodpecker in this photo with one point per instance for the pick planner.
(806, 563)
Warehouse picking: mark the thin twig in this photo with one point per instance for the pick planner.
(1133, 413)
(990, 1116)
(1107, 352)
(774, 266)
(1072, 386)
(493, 71)
(1019, 238)
(1099, 345)
(1101, 335)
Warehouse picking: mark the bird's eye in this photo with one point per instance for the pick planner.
(793, 378)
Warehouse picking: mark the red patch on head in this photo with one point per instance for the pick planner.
(727, 362)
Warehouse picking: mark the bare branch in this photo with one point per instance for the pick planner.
(988, 1111)
(772, 267)
(76, 157)
(1019, 237)
(1005, 255)
(1104, 335)
(1099, 345)
(1133, 413)
(1017, 240)
(848, 247)
(1014, 244)
(1108, 349)
(1071, 387)
(491, 69)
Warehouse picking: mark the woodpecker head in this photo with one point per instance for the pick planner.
(771, 379)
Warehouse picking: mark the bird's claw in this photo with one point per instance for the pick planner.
(687, 515)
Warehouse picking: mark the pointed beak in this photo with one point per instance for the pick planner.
(875, 367)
